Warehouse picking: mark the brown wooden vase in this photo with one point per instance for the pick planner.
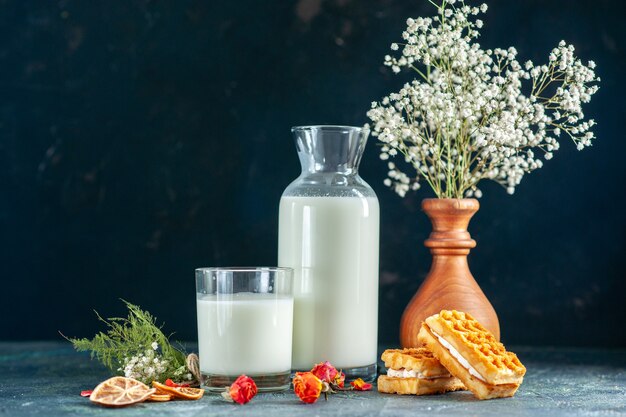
(449, 284)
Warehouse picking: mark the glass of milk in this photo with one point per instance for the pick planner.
(245, 322)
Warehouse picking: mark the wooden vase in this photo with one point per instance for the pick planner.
(449, 284)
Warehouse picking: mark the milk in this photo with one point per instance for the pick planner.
(250, 333)
(332, 245)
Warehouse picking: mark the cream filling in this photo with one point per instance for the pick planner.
(402, 373)
(406, 373)
(464, 363)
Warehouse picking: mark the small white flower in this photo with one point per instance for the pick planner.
(154, 345)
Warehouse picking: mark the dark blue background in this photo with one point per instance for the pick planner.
(142, 139)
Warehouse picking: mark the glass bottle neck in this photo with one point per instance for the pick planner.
(330, 149)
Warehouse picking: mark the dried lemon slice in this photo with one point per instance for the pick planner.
(120, 391)
(184, 393)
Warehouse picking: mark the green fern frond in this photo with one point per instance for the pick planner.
(131, 337)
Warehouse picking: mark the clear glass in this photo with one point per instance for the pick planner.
(245, 322)
(328, 233)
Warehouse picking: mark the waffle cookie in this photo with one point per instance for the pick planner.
(472, 354)
(415, 372)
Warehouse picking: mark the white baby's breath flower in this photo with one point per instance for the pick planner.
(476, 114)
(154, 345)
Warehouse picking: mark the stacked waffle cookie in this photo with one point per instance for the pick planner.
(415, 371)
(470, 354)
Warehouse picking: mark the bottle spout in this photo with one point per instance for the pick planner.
(330, 148)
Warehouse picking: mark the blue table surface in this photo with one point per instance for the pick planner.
(45, 378)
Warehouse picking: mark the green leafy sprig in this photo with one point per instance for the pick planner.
(135, 347)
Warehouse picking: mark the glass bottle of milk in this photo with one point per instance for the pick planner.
(328, 233)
